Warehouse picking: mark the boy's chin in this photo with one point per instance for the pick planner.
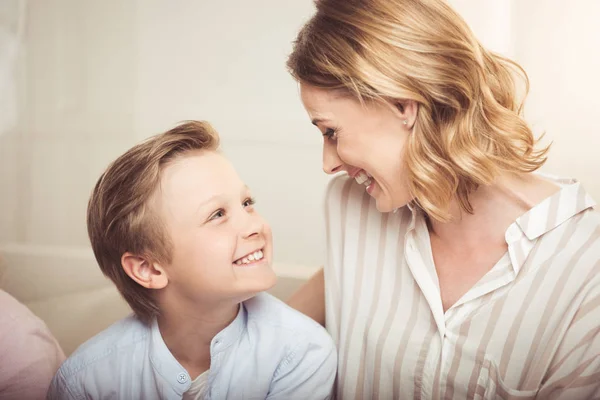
(252, 281)
(265, 281)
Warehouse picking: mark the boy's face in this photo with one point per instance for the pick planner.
(222, 247)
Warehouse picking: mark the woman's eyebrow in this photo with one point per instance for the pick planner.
(317, 121)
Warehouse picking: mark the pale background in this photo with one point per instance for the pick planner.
(92, 77)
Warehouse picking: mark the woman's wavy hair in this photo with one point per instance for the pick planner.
(469, 125)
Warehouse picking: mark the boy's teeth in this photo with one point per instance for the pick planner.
(257, 255)
(361, 177)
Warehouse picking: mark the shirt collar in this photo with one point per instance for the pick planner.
(167, 366)
(232, 332)
(414, 214)
(570, 200)
(521, 235)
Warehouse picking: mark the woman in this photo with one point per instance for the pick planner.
(486, 281)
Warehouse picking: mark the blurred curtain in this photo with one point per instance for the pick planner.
(12, 17)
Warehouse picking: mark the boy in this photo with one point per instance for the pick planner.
(174, 227)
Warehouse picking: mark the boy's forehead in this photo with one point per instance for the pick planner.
(199, 174)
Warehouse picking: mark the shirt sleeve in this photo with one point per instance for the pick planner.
(575, 370)
(60, 390)
(308, 372)
(29, 356)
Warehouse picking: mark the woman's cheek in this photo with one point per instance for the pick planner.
(345, 153)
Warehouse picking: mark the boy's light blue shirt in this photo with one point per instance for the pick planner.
(269, 351)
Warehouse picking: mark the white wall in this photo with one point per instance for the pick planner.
(98, 76)
(558, 43)
(102, 75)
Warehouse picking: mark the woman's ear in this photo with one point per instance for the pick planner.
(146, 273)
(406, 111)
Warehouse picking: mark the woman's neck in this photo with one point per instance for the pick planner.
(495, 208)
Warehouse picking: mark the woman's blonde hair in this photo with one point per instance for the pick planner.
(469, 125)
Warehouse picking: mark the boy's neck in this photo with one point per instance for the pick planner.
(188, 333)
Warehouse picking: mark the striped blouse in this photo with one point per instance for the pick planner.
(530, 328)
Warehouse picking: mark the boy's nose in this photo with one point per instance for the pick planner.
(253, 226)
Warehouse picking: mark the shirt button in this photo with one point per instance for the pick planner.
(182, 378)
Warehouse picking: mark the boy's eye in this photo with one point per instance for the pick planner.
(249, 202)
(330, 134)
(220, 213)
(217, 214)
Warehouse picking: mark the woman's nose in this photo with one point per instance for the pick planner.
(331, 160)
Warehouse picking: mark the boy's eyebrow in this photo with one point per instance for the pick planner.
(209, 200)
(218, 197)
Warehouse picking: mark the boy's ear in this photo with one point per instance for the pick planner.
(146, 273)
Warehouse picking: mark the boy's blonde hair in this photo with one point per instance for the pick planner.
(120, 217)
(469, 126)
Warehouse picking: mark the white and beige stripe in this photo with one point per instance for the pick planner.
(529, 329)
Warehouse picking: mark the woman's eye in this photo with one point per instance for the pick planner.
(249, 202)
(217, 214)
(330, 134)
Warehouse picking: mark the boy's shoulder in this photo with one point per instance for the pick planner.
(301, 354)
(119, 340)
(266, 312)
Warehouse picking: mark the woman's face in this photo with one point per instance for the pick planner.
(367, 141)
